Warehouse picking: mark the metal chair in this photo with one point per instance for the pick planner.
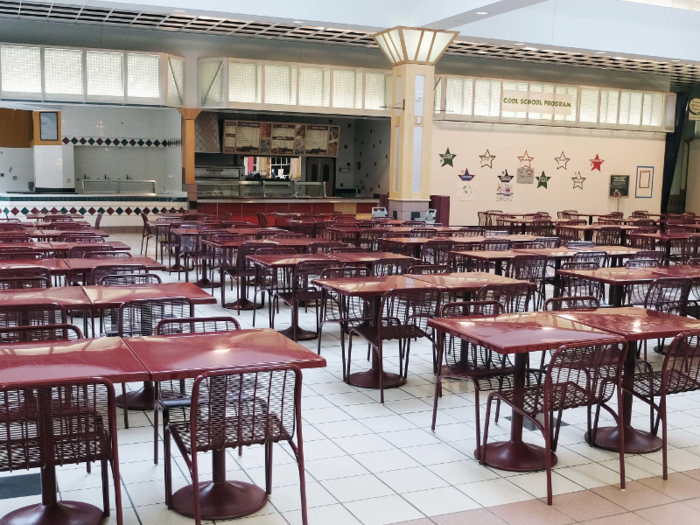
(99, 272)
(347, 249)
(79, 252)
(384, 267)
(8, 255)
(130, 279)
(576, 377)
(580, 244)
(403, 316)
(655, 255)
(369, 240)
(16, 238)
(262, 220)
(323, 246)
(429, 269)
(513, 297)
(266, 280)
(30, 334)
(527, 245)
(231, 409)
(423, 232)
(532, 269)
(494, 244)
(238, 268)
(86, 238)
(111, 254)
(34, 315)
(575, 286)
(642, 263)
(436, 251)
(668, 295)
(24, 283)
(598, 257)
(34, 274)
(540, 228)
(555, 304)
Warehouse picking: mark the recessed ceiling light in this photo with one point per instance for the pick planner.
(676, 60)
(618, 58)
(481, 13)
(519, 44)
(179, 10)
(600, 52)
(530, 49)
(298, 22)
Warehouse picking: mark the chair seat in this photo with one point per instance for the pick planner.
(371, 335)
(530, 400)
(289, 297)
(650, 383)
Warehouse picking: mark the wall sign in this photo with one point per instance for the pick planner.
(542, 181)
(525, 160)
(578, 180)
(504, 190)
(545, 103)
(619, 186)
(694, 109)
(562, 160)
(465, 176)
(596, 163)
(645, 182)
(487, 160)
(525, 176)
(277, 138)
(447, 158)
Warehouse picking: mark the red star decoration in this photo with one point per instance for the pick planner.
(596, 162)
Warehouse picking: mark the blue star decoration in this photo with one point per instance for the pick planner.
(447, 158)
(542, 180)
(504, 177)
(562, 160)
(578, 180)
(465, 175)
(487, 160)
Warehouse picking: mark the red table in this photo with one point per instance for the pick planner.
(49, 235)
(55, 266)
(634, 324)
(373, 288)
(25, 365)
(368, 258)
(498, 257)
(663, 238)
(464, 282)
(187, 356)
(518, 335)
(84, 266)
(61, 248)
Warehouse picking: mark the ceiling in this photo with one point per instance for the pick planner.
(682, 74)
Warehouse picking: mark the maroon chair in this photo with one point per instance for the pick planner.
(493, 244)
(99, 272)
(423, 232)
(527, 245)
(472, 231)
(369, 240)
(72, 237)
(267, 281)
(232, 409)
(403, 316)
(598, 257)
(555, 304)
(79, 252)
(107, 254)
(532, 269)
(384, 267)
(577, 376)
(24, 283)
(513, 297)
(262, 220)
(575, 286)
(20, 255)
(540, 228)
(668, 295)
(34, 315)
(238, 267)
(34, 274)
(269, 233)
(130, 279)
(323, 246)
(436, 251)
(429, 269)
(30, 334)
(17, 238)
(347, 249)
(655, 255)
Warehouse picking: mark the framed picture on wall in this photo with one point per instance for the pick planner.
(48, 126)
(619, 186)
(645, 182)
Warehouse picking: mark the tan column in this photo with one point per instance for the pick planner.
(411, 139)
(188, 117)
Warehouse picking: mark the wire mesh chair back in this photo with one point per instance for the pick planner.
(79, 252)
(369, 240)
(513, 297)
(262, 220)
(405, 313)
(34, 315)
(140, 317)
(494, 244)
(644, 222)
(26, 273)
(302, 287)
(683, 249)
(526, 245)
(347, 249)
(412, 223)
(549, 242)
(244, 267)
(276, 250)
(598, 257)
(429, 269)
(423, 232)
(61, 424)
(530, 268)
(29, 334)
(642, 263)
(654, 255)
(571, 303)
(342, 308)
(576, 286)
(130, 279)
(640, 213)
(384, 267)
(437, 251)
(290, 235)
(115, 269)
(468, 232)
(24, 283)
(668, 295)
(112, 254)
(674, 229)
(541, 228)
(616, 214)
(196, 325)
(93, 239)
(681, 367)
(608, 236)
(580, 244)
(580, 376)
(20, 255)
(8, 239)
(323, 246)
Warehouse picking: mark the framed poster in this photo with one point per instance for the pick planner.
(248, 137)
(645, 182)
(283, 139)
(619, 186)
(525, 175)
(48, 126)
(229, 136)
(316, 140)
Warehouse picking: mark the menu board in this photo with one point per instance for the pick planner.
(277, 138)
(229, 136)
(619, 185)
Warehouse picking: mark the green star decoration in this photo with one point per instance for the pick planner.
(542, 180)
(447, 158)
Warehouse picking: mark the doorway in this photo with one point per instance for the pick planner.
(321, 169)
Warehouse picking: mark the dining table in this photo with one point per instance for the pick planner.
(84, 266)
(61, 249)
(635, 325)
(46, 363)
(179, 357)
(372, 289)
(517, 335)
(664, 239)
(53, 235)
(589, 229)
(495, 257)
(369, 258)
(465, 283)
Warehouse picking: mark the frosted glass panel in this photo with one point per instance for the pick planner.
(105, 75)
(63, 73)
(211, 83)
(20, 68)
(653, 109)
(280, 85)
(143, 75)
(589, 105)
(176, 81)
(245, 82)
(487, 98)
(630, 108)
(458, 96)
(540, 88)
(514, 86)
(375, 90)
(609, 106)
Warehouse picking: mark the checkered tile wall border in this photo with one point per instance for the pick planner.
(123, 142)
(94, 211)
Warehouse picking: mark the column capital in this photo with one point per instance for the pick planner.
(189, 113)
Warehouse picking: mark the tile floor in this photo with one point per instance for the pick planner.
(376, 464)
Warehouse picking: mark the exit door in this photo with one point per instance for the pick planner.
(321, 169)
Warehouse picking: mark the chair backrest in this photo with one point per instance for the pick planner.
(34, 315)
(276, 250)
(115, 269)
(98, 220)
(423, 232)
(571, 303)
(130, 279)
(383, 267)
(25, 273)
(345, 272)
(346, 249)
(494, 244)
(269, 233)
(15, 238)
(530, 268)
(78, 252)
(527, 245)
(406, 312)
(429, 269)
(197, 325)
(323, 246)
(140, 317)
(23, 283)
(52, 332)
(549, 242)
(542, 228)
(574, 286)
(107, 254)
(598, 257)
(470, 308)
(513, 297)
(437, 251)
(87, 238)
(656, 255)
(20, 254)
(642, 263)
(468, 232)
(608, 236)
(669, 295)
(262, 220)
(303, 275)
(681, 367)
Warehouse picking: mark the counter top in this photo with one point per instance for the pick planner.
(327, 200)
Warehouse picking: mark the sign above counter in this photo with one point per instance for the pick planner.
(544, 103)
(277, 138)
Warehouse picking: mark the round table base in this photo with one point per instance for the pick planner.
(207, 283)
(246, 304)
(636, 441)
(141, 399)
(370, 379)
(516, 456)
(62, 513)
(221, 501)
(302, 335)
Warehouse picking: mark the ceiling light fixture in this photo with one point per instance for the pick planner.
(298, 22)
(481, 13)
(676, 60)
(519, 44)
(179, 10)
(600, 52)
(531, 49)
(412, 45)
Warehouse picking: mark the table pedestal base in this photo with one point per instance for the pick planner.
(516, 456)
(207, 283)
(302, 335)
(61, 513)
(636, 441)
(221, 501)
(143, 399)
(246, 304)
(370, 379)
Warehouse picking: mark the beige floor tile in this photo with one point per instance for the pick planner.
(635, 496)
(477, 516)
(671, 514)
(621, 519)
(533, 512)
(586, 505)
(678, 486)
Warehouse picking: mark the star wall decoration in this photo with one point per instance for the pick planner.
(562, 160)
(542, 180)
(578, 180)
(596, 162)
(465, 175)
(504, 177)
(525, 160)
(487, 160)
(447, 158)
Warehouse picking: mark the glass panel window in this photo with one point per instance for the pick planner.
(568, 90)
(345, 88)
(589, 106)
(20, 68)
(630, 108)
(314, 86)
(458, 96)
(105, 75)
(509, 85)
(280, 84)
(540, 88)
(487, 98)
(63, 73)
(143, 75)
(245, 82)
(377, 93)
(176, 80)
(211, 82)
(653, 110)
(608, 106)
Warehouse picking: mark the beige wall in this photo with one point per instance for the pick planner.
(692, 196)
(621, 151)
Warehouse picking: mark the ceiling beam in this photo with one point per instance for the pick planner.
(468, 17)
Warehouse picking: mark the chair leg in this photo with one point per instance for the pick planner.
(438, 391)
(155, 435)
(482, 455)
(105, 488)
(381, 371)
(195, 493)
(477, 421)
(124, 407)
(349, 362)
(547, 452)
(268, 468)
(167, 460)
(664, 434)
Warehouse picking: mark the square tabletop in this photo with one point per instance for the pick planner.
(65, 246)
(55, 266)
(616, 276)
(91, 264)
(102, 297)
(367, 257)
(299, 242)
(476, 239)
(372, 286)
(406, 240)
(29, 246)
(55, 234)
(521, 332)
(490, 255)
(287, 261)
(634, 324)
(185, 356)
(550, 253)
(464, 281)
(683, 271)
(612, 251)
(52, 361)
(70, 297)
